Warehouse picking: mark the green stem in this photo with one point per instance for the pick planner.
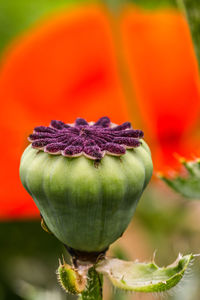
(94, 286)
(191, 9)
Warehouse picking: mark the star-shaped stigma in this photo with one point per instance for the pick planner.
(93, 140)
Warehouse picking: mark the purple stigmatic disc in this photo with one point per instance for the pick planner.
(93, 140)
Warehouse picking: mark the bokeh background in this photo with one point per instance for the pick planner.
(129, 60)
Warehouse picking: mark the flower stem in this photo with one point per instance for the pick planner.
(191, 10)
(94, 286)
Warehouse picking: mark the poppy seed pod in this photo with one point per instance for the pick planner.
(86, 179)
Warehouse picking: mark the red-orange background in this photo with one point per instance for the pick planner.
(84, 62)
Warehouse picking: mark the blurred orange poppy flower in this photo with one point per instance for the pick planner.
(139, 66)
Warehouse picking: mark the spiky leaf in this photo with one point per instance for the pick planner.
(189, 185)
(143, 277)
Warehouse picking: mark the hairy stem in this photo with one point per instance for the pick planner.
(94, 286)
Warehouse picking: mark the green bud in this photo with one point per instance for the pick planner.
(70, 279)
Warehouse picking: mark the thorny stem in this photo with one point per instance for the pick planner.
(94, 286)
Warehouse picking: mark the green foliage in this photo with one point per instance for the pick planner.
(189, 185)
(28, 255)
(93, 207)
(192, 10)
(115, 5)
(152, 4)
(143, 277)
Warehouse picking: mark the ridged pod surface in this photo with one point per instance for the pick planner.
(86, 204)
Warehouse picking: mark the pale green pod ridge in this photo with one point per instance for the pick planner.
(87, 203)
(143, 277)
(87, 207)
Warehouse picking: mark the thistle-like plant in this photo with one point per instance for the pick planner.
(86, 179)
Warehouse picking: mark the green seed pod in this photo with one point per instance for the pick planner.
(86, 179)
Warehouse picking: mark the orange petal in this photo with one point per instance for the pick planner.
(164, 72)
(61, 69)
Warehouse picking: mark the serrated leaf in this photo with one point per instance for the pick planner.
(143, 277)
(188, 186)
